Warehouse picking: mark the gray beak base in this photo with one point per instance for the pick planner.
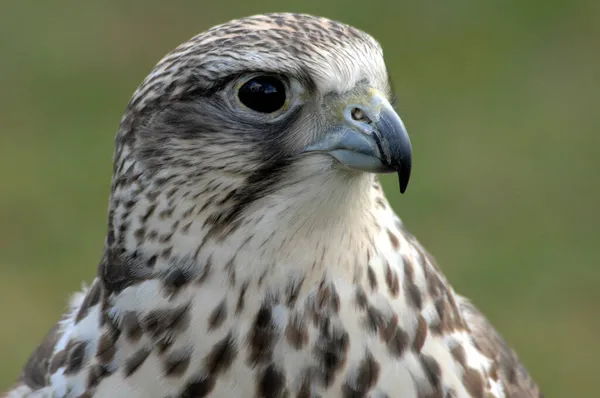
(375, 142)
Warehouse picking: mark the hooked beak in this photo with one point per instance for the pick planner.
(371, 138)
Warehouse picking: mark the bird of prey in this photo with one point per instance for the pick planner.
(250, 249)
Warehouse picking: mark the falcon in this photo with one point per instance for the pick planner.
(250, 250)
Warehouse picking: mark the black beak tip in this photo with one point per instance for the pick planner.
(403, 178)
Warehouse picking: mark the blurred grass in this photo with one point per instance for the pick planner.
(500, 98)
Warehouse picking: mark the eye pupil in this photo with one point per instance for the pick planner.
(264, 94)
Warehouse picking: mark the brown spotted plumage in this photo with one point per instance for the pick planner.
(250, 250)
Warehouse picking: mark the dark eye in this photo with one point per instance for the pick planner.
(265, 94)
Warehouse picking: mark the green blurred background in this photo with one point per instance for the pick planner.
(500, 97)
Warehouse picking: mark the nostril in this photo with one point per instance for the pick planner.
(359, 115)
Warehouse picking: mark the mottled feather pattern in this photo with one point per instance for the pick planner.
(234, 267)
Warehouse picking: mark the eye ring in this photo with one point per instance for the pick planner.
(263, 93)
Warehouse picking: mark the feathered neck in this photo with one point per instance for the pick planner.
(318, 222)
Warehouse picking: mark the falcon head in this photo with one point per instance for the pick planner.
(261, 104)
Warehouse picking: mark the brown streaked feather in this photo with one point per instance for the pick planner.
(35, 372)
(512, 373)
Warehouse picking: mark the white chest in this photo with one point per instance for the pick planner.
(383, 329)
